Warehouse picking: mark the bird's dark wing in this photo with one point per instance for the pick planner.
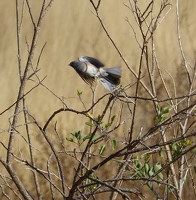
(86, 78)
(91, 60)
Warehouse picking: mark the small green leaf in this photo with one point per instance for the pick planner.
(150, 173)
(161, 153)
(98, 119)
(78, 135)
(139, 165)
(91, 124)
(85, 137)
(162, 113)
(140, 174)
(69, 139)
(74, 134)
(112, 119)
(147, 167)
(187, 142)
(166, 109)
(149, 185)
(113, 143)
(79, 93)
(92, 184)
(160, 176)
(95, 137)
(157, 167)
(102, 149)
(135, 160)
(170, 188)
(108, 125)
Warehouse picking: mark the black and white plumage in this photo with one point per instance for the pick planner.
(90, 68)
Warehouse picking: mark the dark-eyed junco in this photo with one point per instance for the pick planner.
(90, 68)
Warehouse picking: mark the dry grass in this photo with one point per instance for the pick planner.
(71, 30)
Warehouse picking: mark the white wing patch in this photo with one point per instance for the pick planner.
(108, 86)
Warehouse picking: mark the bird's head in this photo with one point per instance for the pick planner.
(74, 64)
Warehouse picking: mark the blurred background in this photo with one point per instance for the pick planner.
(70, 29)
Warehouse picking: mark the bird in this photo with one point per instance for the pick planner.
(91, 69)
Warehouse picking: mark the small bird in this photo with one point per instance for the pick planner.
(90, 68)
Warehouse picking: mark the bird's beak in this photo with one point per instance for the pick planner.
(71, 64)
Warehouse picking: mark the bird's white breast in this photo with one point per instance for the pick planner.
(92, 70)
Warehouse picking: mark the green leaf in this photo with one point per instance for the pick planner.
(98, 119)
(92, 184)
(139, 165)
(162, 113)
(85, 137)
(102, 149)
(79, 93)
(108, 125)
(163, 117)
(132, 175)
(140, 174)
(69, 139)
(78, 135)
(166, 109)
(157, 167)
(160, 176)
(113, 143)
(135, 160)
(187, 142)
(147, 168)
(112, 119)
(151, 172)
(91, 124)
(170, 188)
(161, 153)
(95, 137)
(149, 185)
(74, 134)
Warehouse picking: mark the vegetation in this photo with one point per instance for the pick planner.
(62, 139)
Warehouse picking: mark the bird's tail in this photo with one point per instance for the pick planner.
(112, 78)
